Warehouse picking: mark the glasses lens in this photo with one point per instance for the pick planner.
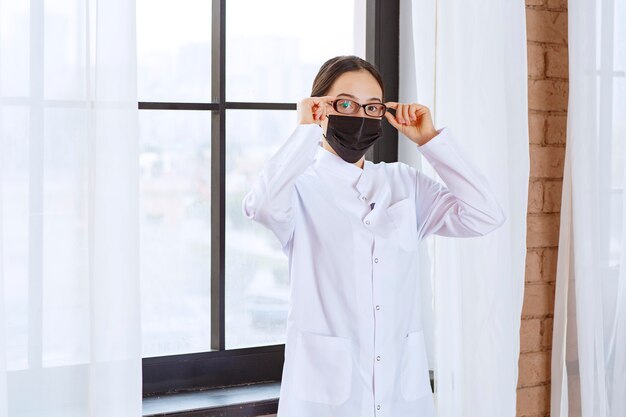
(346, 106)
(375, 109)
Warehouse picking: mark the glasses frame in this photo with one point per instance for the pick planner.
(334, 103)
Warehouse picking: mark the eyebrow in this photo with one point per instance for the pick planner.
(353, 97)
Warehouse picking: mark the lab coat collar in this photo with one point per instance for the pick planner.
(329, 164)
(365, 180)
(327, 161)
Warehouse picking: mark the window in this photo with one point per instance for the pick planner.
(218, 86)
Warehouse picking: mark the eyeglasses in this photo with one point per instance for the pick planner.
(347, 106)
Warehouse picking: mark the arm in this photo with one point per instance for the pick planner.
(269, 200)
(466, 207)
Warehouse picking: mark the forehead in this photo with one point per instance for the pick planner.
(360, 84)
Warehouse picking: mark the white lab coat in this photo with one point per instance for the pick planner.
(354, 342)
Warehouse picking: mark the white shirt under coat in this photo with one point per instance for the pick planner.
(354, 342)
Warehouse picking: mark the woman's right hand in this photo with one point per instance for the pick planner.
(313, 109)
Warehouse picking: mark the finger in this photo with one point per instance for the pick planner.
(322, 105)
(400, 113)
(316, 106)
(413, 108)
(323, 99)
(319, 113)
(319, 110)
(391, 104)
(391, 119)
(422, 111)
(405, 114)
(323, 109)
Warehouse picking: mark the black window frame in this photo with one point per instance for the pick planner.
(220, 367)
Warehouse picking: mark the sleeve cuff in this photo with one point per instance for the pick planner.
(442, 133)
(439, 146)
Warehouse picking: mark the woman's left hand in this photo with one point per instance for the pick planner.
(412, 120)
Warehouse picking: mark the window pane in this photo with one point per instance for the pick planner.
(14, 33)
(275, 47)
(174, 50)
(175, 231)
(257, 290)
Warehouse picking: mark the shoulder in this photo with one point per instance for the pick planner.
(399, 176)
(394, 170)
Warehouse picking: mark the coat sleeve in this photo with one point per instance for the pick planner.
(269, 201)
(466, 205)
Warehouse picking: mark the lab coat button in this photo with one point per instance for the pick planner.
(377, 307)
(378, 358)
(376, 260)
(363, 198)
(378, 407)
(367, 222)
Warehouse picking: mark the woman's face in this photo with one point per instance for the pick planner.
(363, 88)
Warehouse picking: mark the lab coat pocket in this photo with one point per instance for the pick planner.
(322, 368)
(414, 379)
(402, 214)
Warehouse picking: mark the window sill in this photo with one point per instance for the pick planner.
(242, 401)
(249, 400)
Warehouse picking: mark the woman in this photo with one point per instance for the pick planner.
(350, 228)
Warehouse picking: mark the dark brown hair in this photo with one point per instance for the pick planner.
(334, 67)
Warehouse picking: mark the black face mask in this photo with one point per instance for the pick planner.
(352, 136)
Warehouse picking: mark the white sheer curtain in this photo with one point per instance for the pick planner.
(70, 340)
(467, 62)
(589, 343)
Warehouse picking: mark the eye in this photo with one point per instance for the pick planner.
(376, 110)
(345, 104)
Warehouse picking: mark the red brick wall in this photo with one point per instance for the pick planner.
(547, 110)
